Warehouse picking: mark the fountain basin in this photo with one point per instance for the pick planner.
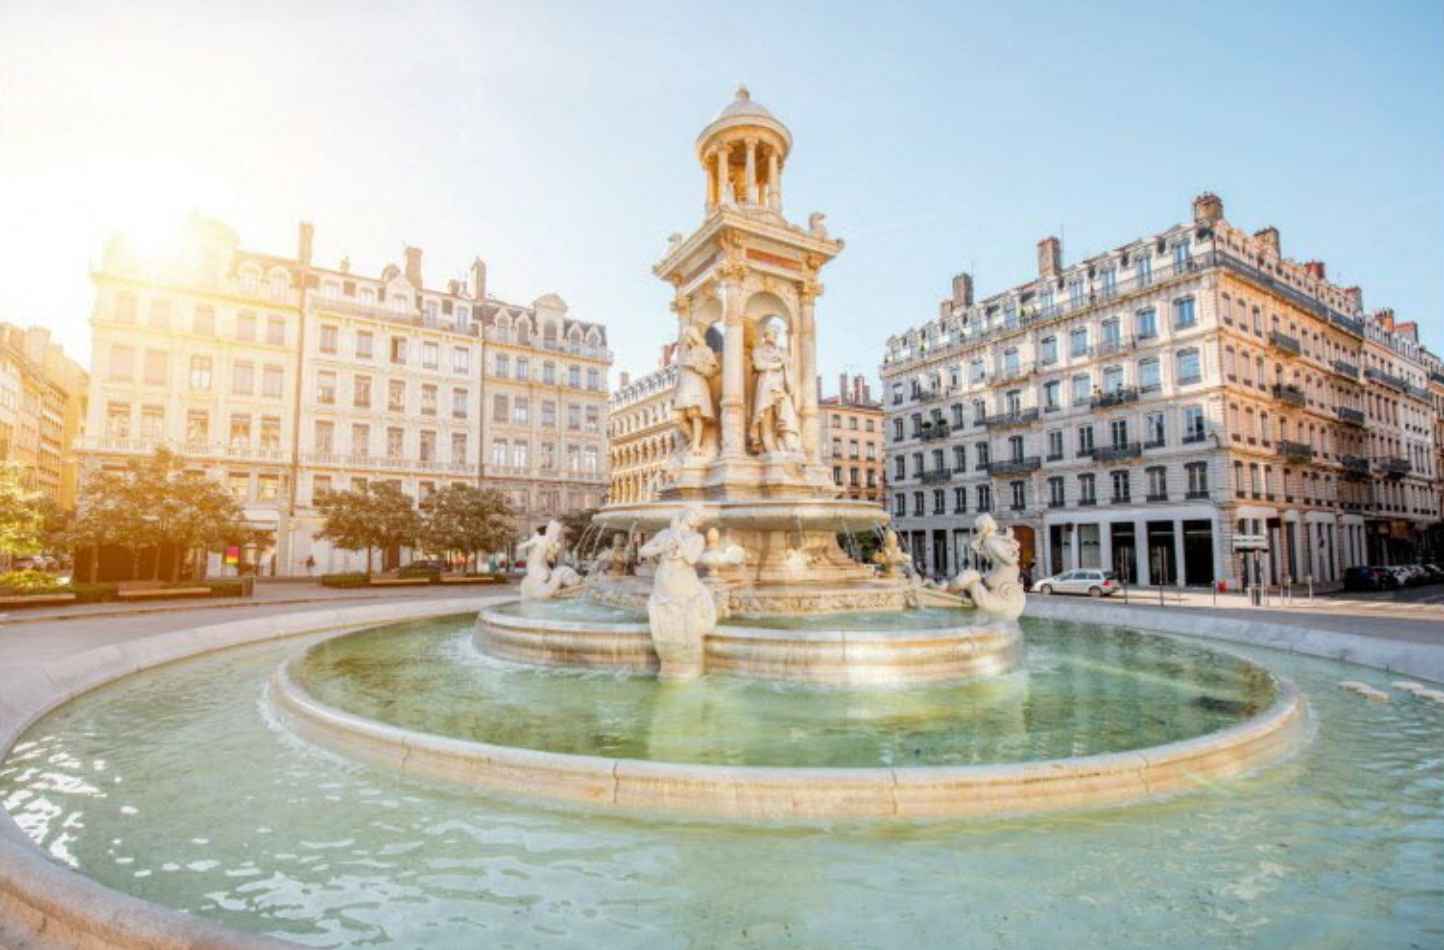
(930, 644)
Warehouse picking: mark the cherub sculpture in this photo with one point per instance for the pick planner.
(1000, 593)
(890, 557)
(542, 580)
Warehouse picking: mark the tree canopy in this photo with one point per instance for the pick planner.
(22, 520)
(379, 516)
(466, 519)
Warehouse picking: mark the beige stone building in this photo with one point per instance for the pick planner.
(284, 379)
(643, 431)
(1141, 409)
(853, 443)
(43, 395)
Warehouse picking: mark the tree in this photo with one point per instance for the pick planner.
(467, 520)
(21, 517)
(575, 525)
(379, 516)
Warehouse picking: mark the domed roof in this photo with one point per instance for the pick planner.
(743, 111)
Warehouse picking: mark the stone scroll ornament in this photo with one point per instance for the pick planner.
(1000, 592)
(693, 404)
(543, 581)
(680, 610)
(774, 413)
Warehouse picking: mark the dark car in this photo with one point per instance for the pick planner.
(425, 568)
(1436, 573)
(1367, 578)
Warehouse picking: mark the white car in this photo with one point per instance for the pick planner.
(1094, 583)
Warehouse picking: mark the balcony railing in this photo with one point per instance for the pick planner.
(1352, 416)
(1195, 494)
(936, 475)
(1158, 496)
(1118, 453)
(1295, 451)
(1015, 466)
(1088, 500)
(1285, 343)
(938, 430)
(1109, 347)
(1116, 397)
(1395, 467)
(1386, 379)
(1291, 395)
(1345, 368)
(1435, 376)
(1355, 467)
(1007, 374)
(1121, 500)
(1009, 419)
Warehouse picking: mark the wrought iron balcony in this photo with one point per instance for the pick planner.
(937, 475)
(1296, 451)
(1355, 467)
(1352, 416)
(1435, 376)
(1345, 368)
(1292, 395)
(1285, 343)
(1395, 467)
(1009, 374)
(1118, 453)
(1386, 379)
(1121, 500)
(1015, 466)
(1158, 496)
(1109, 347)
(1115, 398)
(1007, 420)
(1088, 501)
(937, 430)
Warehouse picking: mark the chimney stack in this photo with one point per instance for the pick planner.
(1355, 296)
(1207, 208)
(1385, 319)
(1050, 257)
(413, 266)
(1315, 270)
(867, 392)
(1269, 237)
(478, 279)
(857, 388)
(1410, 330)
(963, 289)
(305, 236)
(842, 388)
(945, 308)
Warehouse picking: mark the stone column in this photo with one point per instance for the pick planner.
(1140, 552)
(807, 370)
(1105, 545)
(774, 180)
(723, 197)
(1219, 552)
(734, 379)
(1178, 550)
(751, 197)
(714, 187)
(1073, 547)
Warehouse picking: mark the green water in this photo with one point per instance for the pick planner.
(1108, 692)
(175, 785)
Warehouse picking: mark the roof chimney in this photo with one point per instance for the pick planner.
(304, 237)
(413, 266)
(1207, 208)
(1050, 257)
(1269, 237)
(1355, 296)
(842, 387)
(963, 289)
(1410, 330)
(1385, 319)
(1315, 270)
(478, 279)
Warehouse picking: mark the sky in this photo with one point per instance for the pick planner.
(555, 141)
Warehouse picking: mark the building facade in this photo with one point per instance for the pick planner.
(643, 430)
(43, 394)
(284, 379)
(1140, 409)
(853, 443)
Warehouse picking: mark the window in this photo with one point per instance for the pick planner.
(398, 350)
(198, 427)
(458, 448)
(594, 424)
(590, 458)
(155, 367)
(1055, 491)
(124, 308)
(1145, 269)
(160, 313)
(428, 400)
(574, 377)
(240, 434)
(1087, 489)
(430, 355)
(918, 504)
(460, 359)
(329, 333)
(1085, 441)
(361, 392)
(325, 387)
(1197, 479)
(364, 344)
(1145, 324)
(960, 500)
(940, 505)
(122, 363)
(521, 411)
(1075, 290)
(1113, 379)
(273, 380)
(1048, 350)
(900, 504)
(900, 467)
(960, 458)
(499, 453)
(325, 436)
(459, 399)
(503, 365)
(1118, 432)
(1188, 367)
(1157, 483)
(243, 378)
(500, 410)
(1192, 424)
(519, 454)
(152, 422)
(395, 442)
(985, 498)
(594, 381)
(203, 321)
(276, 330)
(1082, 389)
(1078, 342)
(1153, 433)
(117, 420)
(574, 417)
(897, 430)
(271, 433)
(246, 326)
(1149, 379)
(523, 368)
(1183, 316)
(1180, 256)
(240, 485)
(395, 395)
(426, 448)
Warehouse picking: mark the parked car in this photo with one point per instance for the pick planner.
(1363, 578)
(1400, 574)
(1094, 583)
(1436, 573)
(423, 568)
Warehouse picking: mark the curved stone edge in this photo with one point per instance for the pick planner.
(1410, 658)
(824, 656)
(45, 904)
(773, 794)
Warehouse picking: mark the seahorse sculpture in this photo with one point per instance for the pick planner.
(1000, 593)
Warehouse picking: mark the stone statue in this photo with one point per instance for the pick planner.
(717, 555)
(774, 414)
(890, 557)
(680, 610)
(617, 558)
(696, 367)
(816, 226)
(542, 580)
(1001, 592)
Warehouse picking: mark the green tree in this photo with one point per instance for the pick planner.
(380, 516)
(575, 524)
(467, 520)
(22, 520)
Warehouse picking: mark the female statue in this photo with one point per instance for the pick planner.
(774, 414)
(542, 581)
(1001, 592)
(696, 367)
(680, 610)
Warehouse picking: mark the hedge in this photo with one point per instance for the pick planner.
(355, 579)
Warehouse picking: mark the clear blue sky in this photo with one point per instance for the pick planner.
(556, 140)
